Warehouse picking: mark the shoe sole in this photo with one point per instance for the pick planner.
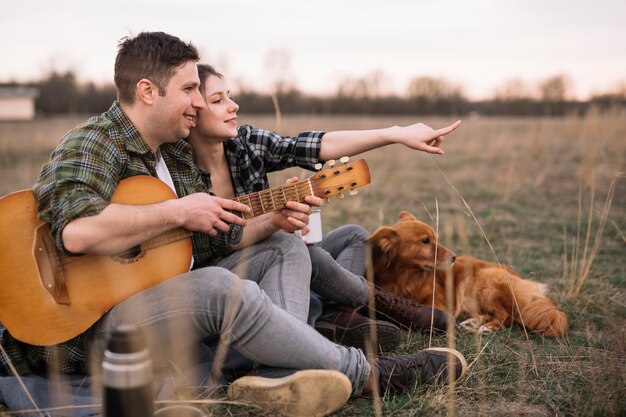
(388, 336)
(304, 393)
(456, 354)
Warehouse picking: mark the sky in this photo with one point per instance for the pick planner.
(478, 44)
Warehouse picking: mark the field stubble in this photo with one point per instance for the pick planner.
(533, 193)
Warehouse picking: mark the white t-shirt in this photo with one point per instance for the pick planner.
(164, 175)
(162, 172)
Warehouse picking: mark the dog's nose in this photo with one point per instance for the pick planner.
(453, 258)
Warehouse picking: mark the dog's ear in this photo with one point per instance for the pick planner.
(405, 216)
(384, 241)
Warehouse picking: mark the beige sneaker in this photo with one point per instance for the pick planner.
(304, 393)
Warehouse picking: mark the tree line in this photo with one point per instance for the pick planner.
(61, 93)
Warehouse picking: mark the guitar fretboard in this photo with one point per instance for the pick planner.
(275, 198)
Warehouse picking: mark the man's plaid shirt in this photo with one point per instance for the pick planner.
(84, 171)
(79, 180)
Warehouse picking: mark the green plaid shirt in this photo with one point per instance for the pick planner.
(79, 180)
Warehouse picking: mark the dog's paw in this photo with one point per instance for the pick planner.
(471, 325)
(484, 330)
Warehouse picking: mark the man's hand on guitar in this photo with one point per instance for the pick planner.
(208, 214)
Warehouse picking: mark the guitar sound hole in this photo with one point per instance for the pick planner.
(129, 256)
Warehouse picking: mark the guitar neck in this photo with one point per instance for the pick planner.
(275, 198)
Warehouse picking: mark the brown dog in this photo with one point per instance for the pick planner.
(409, 261)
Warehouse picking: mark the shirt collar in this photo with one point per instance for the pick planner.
(133, 139)
(180, 149)
(234, 146)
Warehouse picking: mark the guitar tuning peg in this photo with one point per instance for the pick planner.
(331, 163)
(318, 166)
(340, 195)
(344, 159)
(353, 192)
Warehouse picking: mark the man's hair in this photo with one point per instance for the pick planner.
(151, 55)
(204, 72)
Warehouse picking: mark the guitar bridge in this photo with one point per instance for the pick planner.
(50, 271)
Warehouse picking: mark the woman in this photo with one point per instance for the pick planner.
(235, 161)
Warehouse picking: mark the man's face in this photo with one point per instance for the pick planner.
(175, 113)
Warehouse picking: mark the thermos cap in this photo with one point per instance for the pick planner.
(126, 338)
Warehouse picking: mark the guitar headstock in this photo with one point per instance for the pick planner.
(339, 179)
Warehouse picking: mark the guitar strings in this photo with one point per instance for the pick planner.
(272, 199)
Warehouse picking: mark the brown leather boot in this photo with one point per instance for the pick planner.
(399, 374)
(347, 327)
(407, 313)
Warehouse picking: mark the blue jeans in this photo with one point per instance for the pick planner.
(211, 304)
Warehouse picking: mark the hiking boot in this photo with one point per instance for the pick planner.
(347, 327)
(401, 373)
(312, 392)
(407, 313)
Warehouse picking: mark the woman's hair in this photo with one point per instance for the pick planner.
(204, 72)
(151, 55)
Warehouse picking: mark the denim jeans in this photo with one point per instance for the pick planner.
(338, 266)
(211, 304)
(279, 266)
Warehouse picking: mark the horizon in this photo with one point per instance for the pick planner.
(480, 45)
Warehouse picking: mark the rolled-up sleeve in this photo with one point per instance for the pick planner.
(280, 152)
(78, 181)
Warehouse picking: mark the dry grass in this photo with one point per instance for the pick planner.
(549, 194)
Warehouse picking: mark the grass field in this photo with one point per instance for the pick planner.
(546, 196)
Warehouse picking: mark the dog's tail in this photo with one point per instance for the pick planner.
(542, 316)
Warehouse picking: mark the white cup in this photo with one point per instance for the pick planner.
(315, 227)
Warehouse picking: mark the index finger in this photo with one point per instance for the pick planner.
(233, 205)
(445, 130)
(312, 200)
(295, 206)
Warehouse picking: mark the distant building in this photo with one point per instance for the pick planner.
(17, 102)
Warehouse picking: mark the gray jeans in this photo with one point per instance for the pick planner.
(212, 303)
(338, 266)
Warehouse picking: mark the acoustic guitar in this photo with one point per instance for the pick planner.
(47, 297)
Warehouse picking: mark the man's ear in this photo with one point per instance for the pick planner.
(146, 90)
(384, 241)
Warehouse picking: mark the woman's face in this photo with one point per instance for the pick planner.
(219, 118)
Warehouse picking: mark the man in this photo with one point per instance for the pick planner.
(158, 100)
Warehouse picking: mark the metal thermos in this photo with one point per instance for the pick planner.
(127, 375)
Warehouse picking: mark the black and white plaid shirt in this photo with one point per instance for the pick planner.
(256, 152)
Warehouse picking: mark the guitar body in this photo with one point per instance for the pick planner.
(94, 284)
